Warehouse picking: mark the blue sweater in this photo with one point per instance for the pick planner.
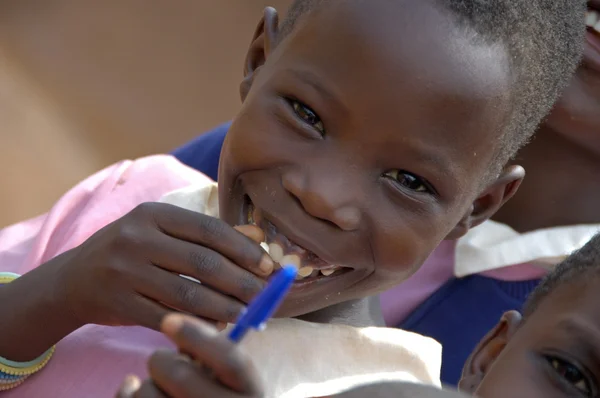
(457, 315)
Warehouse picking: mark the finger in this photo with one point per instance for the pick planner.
(220, 326)
(187, 296)
(149, 390)
(213, 233)
(130, 385)
(206, 265)
(215, 351)
(179, 377)
(145, 312)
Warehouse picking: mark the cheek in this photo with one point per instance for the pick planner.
(576, 115)
(251, 142)
(403, 245)
(513, 376)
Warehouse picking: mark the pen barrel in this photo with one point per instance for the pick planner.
(237, 333)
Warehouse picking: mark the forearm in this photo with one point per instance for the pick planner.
(34, 317)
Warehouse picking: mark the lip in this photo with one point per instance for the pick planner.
(300, 287)
(301, 284)
(303, 289)
(282, 227)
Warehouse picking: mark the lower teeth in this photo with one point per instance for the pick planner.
(305, 271)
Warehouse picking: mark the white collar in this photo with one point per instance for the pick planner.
(493, 245)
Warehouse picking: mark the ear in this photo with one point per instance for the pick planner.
(487, 351)
(263, 42)
(490, 200)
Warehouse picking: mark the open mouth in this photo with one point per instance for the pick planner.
(591, 57)
(592, 17)
(286, 252)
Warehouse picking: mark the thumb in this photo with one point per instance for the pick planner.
(203, 343)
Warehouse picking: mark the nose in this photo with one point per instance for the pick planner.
(326, 198)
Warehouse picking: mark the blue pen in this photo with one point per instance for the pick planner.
(265, 304)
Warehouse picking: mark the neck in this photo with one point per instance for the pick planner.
(560, 187)
(358, 313)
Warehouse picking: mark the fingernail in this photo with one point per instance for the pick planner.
(221, 326)
(130, 385)
(266, 264)
(171, 324)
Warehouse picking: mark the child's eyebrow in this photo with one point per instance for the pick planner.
(585, 337)
(311, 79)
(443, 165)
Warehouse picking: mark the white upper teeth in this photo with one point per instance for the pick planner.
(276, 253)
(592, 20)
(291, 259)
(265, 247)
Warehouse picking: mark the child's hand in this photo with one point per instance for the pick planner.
(209, 366)
(128, 272)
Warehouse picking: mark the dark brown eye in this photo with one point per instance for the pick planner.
(408, 180)
(308, 116)
(571, 374)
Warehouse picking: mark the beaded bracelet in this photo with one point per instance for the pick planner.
(6, 277)
(10, 386)
(13, 374)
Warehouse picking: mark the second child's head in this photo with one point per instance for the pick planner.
(553, 350)
(577, 114)
(372, 130)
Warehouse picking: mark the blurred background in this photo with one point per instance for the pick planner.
(85, 83)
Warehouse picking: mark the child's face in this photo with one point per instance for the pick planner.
(363, 143)
(577, 114)
(554, 353)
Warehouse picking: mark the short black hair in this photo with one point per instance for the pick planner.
(544, 40)
(582, 263)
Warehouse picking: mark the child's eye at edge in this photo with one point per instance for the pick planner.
(586, 386)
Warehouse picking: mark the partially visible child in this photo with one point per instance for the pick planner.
(552, 350)
(356, 151)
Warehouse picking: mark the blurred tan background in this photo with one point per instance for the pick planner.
(84, 83)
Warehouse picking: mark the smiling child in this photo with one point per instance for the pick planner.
(369, 132)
